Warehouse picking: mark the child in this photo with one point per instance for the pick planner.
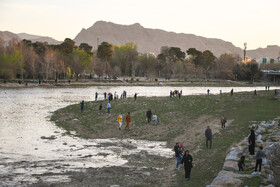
(259, 154)
(241, 163)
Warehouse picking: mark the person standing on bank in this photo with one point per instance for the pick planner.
(252, 142)
(178, 156)
(208, 135)
(108, 107)
(100, 109)
(223, 121)
(149, 115)
(119, 119)
(187, 161)
(127, 119)
(135, 97)
(96, 96)
(259, 154)
(82, 105)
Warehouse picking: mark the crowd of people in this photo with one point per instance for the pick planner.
(182, 156)
(176, 93)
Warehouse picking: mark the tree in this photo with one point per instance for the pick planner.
(67, 46)
(170, 59)
(11, 64)
(81, 61)
(104, 53)
(50, 63)
(87, 48)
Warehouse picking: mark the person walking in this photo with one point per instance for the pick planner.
(155, 119)
(259, 154)
(208, 92)
(223, 121)
(105, 95)
(149, 115)
(108, 107)
(100, 109)
(177, 151)
(231, 92)
(135, 97)
(187, 161)
(82, 105)
(119, 119)
(127, 119)
(96, 96)
(252, 142)
(208, 135)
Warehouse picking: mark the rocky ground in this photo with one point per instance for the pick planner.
(268, 136)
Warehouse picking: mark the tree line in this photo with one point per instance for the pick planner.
(38, 60)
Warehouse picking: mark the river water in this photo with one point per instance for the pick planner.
(24, 120)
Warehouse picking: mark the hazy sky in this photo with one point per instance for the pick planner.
(253, 21)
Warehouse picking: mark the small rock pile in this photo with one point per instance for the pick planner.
(267, 135)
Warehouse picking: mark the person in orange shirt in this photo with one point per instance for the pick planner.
(127, 118)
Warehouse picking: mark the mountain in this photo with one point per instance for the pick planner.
(151, 40)
(37, 38)
(271, 51)
(7, 36)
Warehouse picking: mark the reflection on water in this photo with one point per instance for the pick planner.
(24, 120)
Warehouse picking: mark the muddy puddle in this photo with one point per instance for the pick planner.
(33, 149)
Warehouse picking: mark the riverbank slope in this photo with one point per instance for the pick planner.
(183, 120)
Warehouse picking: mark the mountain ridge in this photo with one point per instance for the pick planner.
(149, 40)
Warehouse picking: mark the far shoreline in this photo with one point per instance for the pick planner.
(92, 83)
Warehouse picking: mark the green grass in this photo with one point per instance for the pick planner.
(177, 119)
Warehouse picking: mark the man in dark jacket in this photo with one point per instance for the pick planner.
(252, 142)
(177, 150)
(208, 135)
(82, 105)
(149, 115)
(187, 161)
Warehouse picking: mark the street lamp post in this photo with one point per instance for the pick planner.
(245, 47)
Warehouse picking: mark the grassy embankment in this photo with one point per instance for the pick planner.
(182, 120)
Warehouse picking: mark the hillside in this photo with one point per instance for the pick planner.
(7, 36)
(37, 38)
(150, 40)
